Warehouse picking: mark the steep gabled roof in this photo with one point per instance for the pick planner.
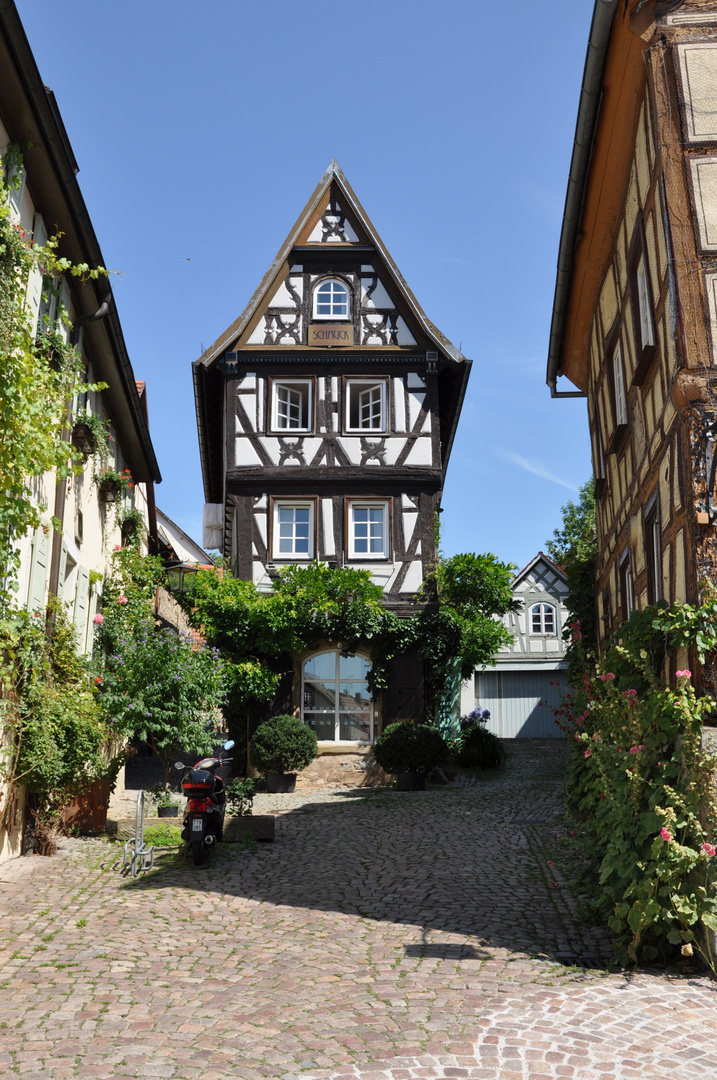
(540, 557)
(303, 243)
(317, 201)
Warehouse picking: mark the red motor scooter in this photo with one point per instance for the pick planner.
(203, 825)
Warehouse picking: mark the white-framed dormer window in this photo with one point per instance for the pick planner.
(366, 407)
(291, 404)
(332, 300)
(368, 529)
(293, 529)
(542, 619)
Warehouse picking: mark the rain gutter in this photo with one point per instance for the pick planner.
(588, 111)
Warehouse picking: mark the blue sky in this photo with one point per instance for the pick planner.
(201, 130)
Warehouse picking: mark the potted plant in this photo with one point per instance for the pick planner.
(132, 525)
(163, 799)
(281, 747)
(111, 482)
(476, 747)
(410, 751)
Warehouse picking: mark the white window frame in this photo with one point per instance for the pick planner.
(541, 605)
(292, 504)
(368, 504)
(307, 386)
(645, 320)
(332, 316)
(360, 386)
(618, 378)
(337, 710)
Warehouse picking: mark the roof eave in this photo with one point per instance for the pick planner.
(588, 112)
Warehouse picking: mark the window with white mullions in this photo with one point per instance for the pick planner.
(293, 530)
(336, 701)
(542, 619)
(366, 405)
(331, 300)
(368, 530)
(291, 405)
(288, 407)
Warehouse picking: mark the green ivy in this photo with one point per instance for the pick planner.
(39, 377)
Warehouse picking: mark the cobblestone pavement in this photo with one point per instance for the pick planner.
(383, 935)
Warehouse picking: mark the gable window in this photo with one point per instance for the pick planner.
(335, 698)
(641, 302)
(542, 619)
(291, 406)
(366, 405)
(293, 529)
(653, 551)
(331, 300)
(368, 530)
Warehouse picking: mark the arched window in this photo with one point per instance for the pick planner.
(335, 698)
(331, 300)
(542, 619)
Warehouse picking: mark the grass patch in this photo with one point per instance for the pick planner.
(163, 835)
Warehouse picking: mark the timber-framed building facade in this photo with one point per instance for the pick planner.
(635, 317)
(326, 416)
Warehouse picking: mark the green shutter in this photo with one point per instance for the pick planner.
(82, 596)
(41, 544)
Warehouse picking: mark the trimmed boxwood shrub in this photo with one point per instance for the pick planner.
(283, 744)
(408, 747)
(479, 748)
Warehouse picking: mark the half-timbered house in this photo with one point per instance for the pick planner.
(523, 686)
(326, 416)
(634, 321)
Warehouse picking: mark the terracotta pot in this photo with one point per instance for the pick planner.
(279, 783)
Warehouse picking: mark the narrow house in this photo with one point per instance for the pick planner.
(326, 415)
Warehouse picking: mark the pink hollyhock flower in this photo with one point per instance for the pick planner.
(548, 863)
(118, 547)
(579, 721)
(665, 834)
(633, 750)
(553, 884)
(686, 674)
(98, 619)
(610, 675)
(709, 850)
(122, 599)
(588, 752)
(603, 678)
(577, 736)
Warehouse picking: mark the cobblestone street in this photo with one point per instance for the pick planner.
(383, 935)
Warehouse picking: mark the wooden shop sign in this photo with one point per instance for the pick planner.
(331, 334)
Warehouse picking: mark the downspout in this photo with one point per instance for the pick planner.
(588, 110)
(60, 498)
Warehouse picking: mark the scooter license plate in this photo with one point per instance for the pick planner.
(196, 824)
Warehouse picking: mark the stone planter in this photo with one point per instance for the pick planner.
(168, 811)
(411, 781)
(279, 783)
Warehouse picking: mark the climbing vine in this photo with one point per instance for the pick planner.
(40, 373)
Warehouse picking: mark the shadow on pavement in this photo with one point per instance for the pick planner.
(470, 861)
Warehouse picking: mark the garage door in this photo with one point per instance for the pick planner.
(514, 701)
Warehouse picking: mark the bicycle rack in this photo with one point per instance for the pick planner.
(136, 856)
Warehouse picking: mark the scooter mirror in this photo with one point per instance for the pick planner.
(179, 765)
(228, 745)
